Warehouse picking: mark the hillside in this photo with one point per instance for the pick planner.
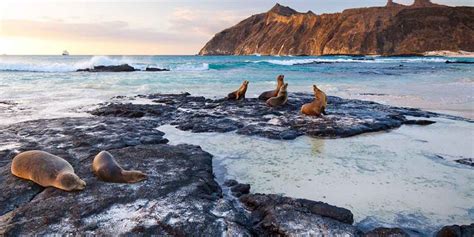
(394, 29)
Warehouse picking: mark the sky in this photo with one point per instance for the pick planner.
(125, 27)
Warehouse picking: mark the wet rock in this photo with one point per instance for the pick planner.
(177, 198)
(419, 122)
(456, 231)
(230, 182)
(253, 117)
(273, 215)
(386, 232)
(459, 62)
(74, 139)
(466, 161)
(132, 110)
(180, 196)
(113, 68)
(240, 189)
(155, 69)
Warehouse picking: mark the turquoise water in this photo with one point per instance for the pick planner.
(391, 178)
(48, 86)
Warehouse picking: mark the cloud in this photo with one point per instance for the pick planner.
(203, 22)
(110, 30)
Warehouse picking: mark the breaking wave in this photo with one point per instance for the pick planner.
(71, 64)
(292, 62)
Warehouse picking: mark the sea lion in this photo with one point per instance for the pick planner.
(240, 93)
(273, 93)
(318, 106)
(107, 169)
(280, 99)
(46, 170)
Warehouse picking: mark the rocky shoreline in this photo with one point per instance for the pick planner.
(253, 117)
(181, 196)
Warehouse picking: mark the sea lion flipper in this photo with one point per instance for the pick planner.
(323, 110)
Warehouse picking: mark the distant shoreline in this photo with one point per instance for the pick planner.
(446, 53)
(440, 53)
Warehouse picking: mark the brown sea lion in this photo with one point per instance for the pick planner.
(46, 170)
(240, 93)
(273, 93)
(280, 99)
(318, 106)
(107, 169)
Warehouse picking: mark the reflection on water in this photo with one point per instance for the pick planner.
(317, 147)
(394, 178)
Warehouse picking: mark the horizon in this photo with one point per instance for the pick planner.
(149, 28)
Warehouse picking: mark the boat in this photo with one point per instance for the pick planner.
(65, 53)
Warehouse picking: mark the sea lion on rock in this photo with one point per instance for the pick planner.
(240, 93)
(107, 169)
(46, 170)
(318, 106)
(280, 99)
(273, 93)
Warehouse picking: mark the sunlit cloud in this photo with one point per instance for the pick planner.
(59, 29)
(203, 22)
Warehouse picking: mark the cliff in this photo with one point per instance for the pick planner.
(390, 30)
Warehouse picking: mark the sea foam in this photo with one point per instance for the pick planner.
(17, 64)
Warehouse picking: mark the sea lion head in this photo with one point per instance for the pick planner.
(246, 83)
(70, 181)
(282, 91)
(316, 89)
(280, 79)
(134, 176)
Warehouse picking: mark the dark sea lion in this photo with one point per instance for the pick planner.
(46, 170)
(107, 169)
(318, 106)
(280, 99)
(273, 93)
(240, 93)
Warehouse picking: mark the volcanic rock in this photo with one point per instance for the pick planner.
(253, 117)
(456, 231)
(392, 30)
(113, 68)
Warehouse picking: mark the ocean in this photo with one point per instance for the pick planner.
(404, 177)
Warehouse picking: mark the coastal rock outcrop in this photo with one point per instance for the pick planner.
(179, 198)
(113, 68)
(120, 68)
(253, 117)
(391, 30)
(274, 215)
(456, 231)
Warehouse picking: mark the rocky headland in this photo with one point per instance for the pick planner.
(394, 29)
(181, 196)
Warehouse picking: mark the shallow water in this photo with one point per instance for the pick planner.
(394, 178)
(48, 87)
